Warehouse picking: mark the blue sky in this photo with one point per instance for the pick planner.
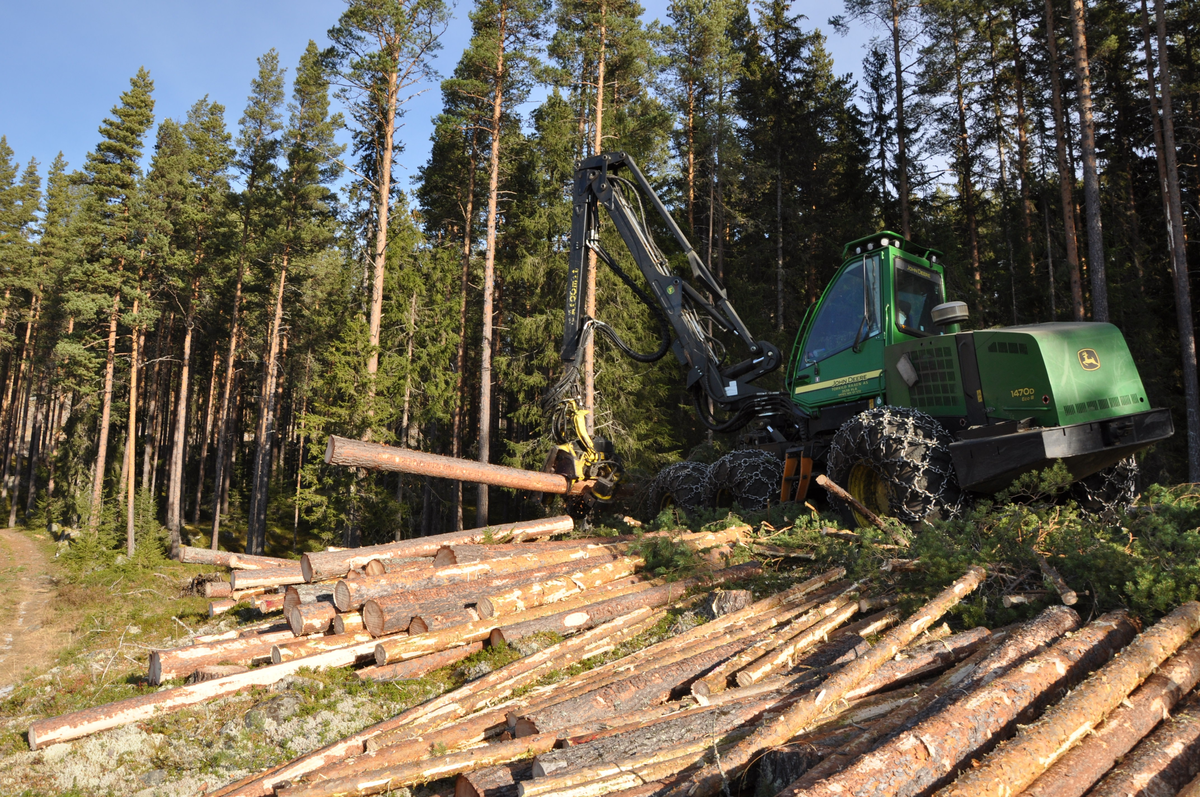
(69, 60)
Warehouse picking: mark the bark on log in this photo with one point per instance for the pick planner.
(1013, 646)
(1018, 762)
(298, 648)
(449, 765)
(357, 454)
(539, 593)
(348, 623)
(297, 594)
(708, 781)
(837, 491)
(782, 656)
(415, 668)
(336, 564)
(1078, 770)
(214, 671)
(270, 577)
(87, 721)
(267, 604)
(918, 663)
(351, 595)
(166, 665)
(311, 618)
(424, 623)
(396, 564)
(1190, 790)
(1163, 763)
(498, 781)
(392, 614)
(451, 555)
(217, 589)
(584, 615)
(204, 556)
(919, 760)
(1060, 585)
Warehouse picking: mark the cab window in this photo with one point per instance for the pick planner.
(850, 311)
(918, 291)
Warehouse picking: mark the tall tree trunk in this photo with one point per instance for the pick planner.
(489, 265)
(404, 415)
(175, 472)
(15, 430)
(1022, 144)
(1183, 295)
(460, 354)
(998, 113)
(1066, 176)
(966, 159)
(382, 199)
(131, 437)
(208, 427)
(256, 531)
(689, 128)
(1091, 177)
(105, 419)
(221, 466)
(901, 132)
(153, 389)
(589, 291)
(300, 448)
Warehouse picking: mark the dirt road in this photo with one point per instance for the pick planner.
(26, 590)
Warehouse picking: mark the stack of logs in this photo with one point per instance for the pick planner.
(822, 689)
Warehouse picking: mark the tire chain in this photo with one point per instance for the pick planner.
(1109, 492)
(909, 450)
(751, 476)
(683, 483)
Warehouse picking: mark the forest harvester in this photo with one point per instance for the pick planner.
(884, 390)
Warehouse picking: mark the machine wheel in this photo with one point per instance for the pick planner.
(749, 477)
(681, 485)
(1109, 492)
(896, 461)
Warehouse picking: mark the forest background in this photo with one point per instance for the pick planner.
(190, 313)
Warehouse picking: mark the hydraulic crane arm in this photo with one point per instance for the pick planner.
(679, 304)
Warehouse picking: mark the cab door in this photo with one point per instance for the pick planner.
(841, 356)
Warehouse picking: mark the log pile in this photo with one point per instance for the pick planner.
(826, 688)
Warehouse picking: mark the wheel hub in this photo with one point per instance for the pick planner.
(870, 490)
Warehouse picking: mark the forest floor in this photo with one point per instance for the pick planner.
(27, 593)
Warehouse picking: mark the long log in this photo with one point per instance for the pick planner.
(336, 564)
(1163, 763)
(318, 643)
(527, 596)
(1011, 647)
(782, 656)
(1017, 763)
(268, 577)
(927, 756)
(1078, 770)
(708, 781)
(415, 668)
(311, 618)
(87, 721)
(424, 623)
(469, 553)
(918, 663)
(357, 454)
(204, 556)
(167, 665)
(477, 579)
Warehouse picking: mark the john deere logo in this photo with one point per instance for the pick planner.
(1088, 359)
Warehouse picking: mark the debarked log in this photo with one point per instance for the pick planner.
(1163, 762)
(324, 565)
(708, 780)
(204, 556)
(1016, 764)
(921, 759)
(415, 668)
(1078, 770)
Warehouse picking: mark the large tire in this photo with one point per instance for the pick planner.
(750, 478)
(680, 485)
(896, 461)
(1110, 492)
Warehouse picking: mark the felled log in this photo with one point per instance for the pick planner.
(335, 564)
(318, 643)
(267, 577)
(84, 722)
(222, 605)
(351, 595)
(928, 755)
(392, 614)
(574, 619)
(449, 765)
(217, 589)
(310, 618)
(1018, 762)
(415, 668)
(1009, 648)
(1163, 762)
(204, 556)
(348, 623)
(526, 596)
(837, 491)
(1060, 585)
(297, 594)
(708, 780)
(266, 604)
(914, 664)
(166, 665)
(1018, 598)
(781, 656)
(1190, 790)
(1085, 763)
(424, 623)
(214, 671)
(451, 555)
(500, 781)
